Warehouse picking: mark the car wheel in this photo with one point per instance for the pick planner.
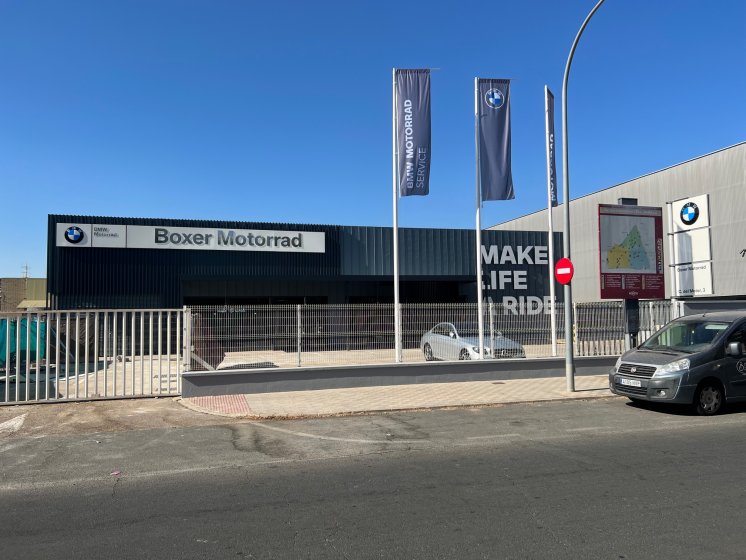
(464, 355)
(428, 353)
(709, 398)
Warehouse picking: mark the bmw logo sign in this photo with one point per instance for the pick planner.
(74, 235)
(494, 98)
(689, 213)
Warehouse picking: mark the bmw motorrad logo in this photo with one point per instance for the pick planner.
(494, 98)
(689, 213)
(74, 235)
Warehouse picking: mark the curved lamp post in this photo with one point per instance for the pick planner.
(569, 364)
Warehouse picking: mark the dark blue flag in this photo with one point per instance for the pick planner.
(493, 139)
(551, 162)
(413, 131)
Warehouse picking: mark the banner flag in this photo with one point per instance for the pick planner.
(413, 131)
(551, 162)
(493, 139)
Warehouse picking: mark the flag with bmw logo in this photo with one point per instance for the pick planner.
(493, 139)
(412, 123)
(551, 165)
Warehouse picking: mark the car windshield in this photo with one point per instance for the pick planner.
(470, 329)
(686, 336)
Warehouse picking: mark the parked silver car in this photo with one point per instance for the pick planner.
(449, 341)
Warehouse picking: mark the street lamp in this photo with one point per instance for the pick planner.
(569, 364)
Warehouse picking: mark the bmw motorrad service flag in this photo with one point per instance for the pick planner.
(551, 162)
(493, 139)
(412, 117)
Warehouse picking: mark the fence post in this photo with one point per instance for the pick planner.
(492, 329)
(300, 331)
(186, 340)
(574, 336)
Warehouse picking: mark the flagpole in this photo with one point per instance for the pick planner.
(478, 232)
(397, 310)
(553, 314)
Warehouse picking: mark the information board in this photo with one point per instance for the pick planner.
(631, 252)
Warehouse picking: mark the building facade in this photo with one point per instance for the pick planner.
(127, 263)
(718, 178)
(22, 294)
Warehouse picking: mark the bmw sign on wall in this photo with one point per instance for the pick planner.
(691, 260)
(74, 235)
(689, 213)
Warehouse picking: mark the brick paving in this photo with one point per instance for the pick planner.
(330, 402)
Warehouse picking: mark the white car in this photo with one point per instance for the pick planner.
(449, 341)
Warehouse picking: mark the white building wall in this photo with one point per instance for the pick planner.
(721, 174)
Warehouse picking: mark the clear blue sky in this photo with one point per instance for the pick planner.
(281, 111)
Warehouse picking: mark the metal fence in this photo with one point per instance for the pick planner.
(83, 355)
(225, 337)
(599, 326)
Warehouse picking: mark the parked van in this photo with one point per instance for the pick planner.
(697, 360)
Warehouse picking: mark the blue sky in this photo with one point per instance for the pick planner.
(281, 111)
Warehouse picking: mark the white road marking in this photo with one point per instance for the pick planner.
(12, 425)
(587, 429)
(494, 436)
(331, 438)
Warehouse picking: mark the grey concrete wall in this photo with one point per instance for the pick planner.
(202, 384)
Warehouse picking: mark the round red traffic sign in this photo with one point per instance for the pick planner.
(563, 271)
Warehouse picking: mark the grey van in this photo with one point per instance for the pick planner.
(697, 360)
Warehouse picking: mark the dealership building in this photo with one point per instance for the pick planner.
(137, 263)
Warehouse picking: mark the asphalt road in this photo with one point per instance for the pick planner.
(588, 479)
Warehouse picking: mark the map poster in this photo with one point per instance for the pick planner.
(631, 252)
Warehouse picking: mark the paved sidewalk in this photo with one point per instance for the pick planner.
(332, 402)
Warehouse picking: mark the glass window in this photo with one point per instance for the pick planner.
(686, 336)
(738, 336)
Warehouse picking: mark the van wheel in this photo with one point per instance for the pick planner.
(709, 398)
(428, 353)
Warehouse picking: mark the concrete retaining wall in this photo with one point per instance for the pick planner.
(247, 381)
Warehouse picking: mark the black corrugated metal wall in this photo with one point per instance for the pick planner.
(356, 266)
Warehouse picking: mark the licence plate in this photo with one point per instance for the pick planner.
(630, 382)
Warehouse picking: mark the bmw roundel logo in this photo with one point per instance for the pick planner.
(494, 98)
(74, 234)
(689, 213)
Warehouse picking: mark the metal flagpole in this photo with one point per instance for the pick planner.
(397, 310)
(553, 315)
(671, 249)
(478, 232)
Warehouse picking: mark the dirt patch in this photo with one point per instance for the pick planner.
(103, 416)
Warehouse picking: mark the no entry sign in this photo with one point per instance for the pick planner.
(563, 271)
